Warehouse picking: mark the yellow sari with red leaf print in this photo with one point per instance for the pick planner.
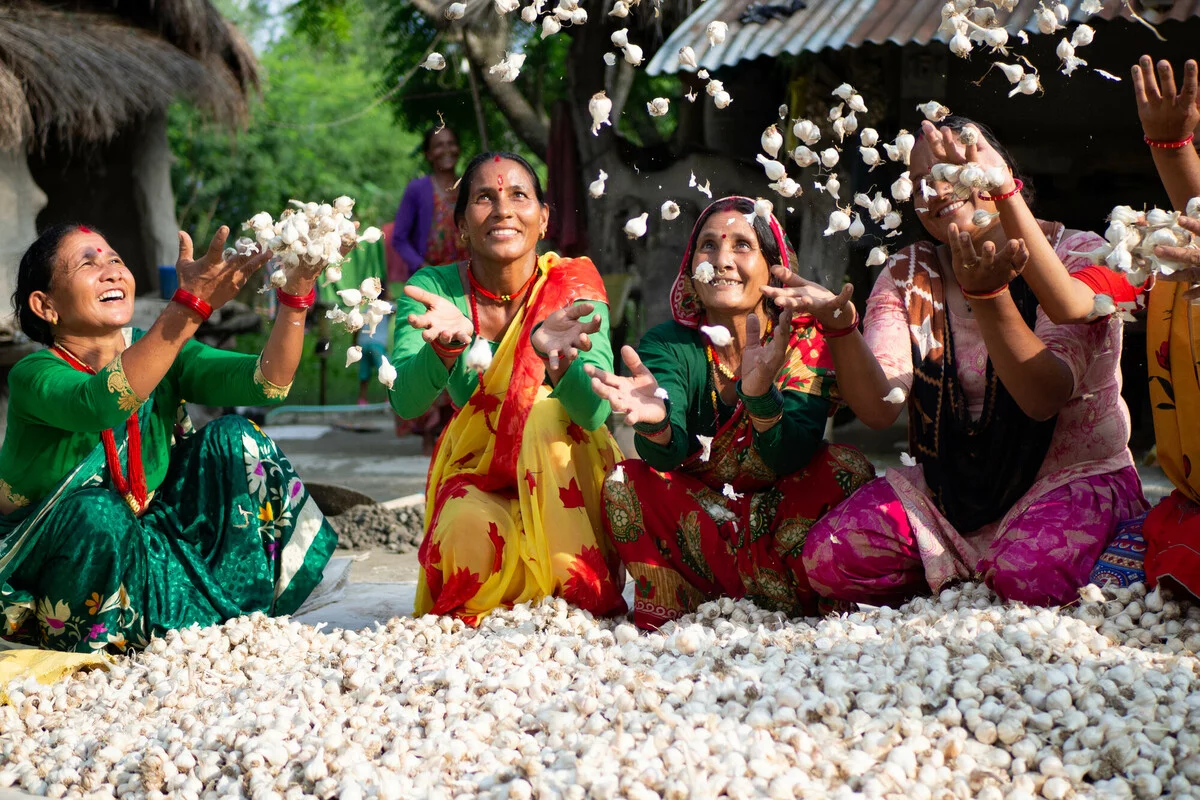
(513, 497)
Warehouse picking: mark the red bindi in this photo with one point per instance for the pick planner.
(722, 236)
(496, 159)
(84, 229)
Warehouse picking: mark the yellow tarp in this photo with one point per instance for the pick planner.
(46, 666)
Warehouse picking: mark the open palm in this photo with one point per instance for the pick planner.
(635, 396)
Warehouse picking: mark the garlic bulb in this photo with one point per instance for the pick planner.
(775, 171)
(617, 475)
(387, 373)
(370, 288)
(636, 227)
(870, 157)
(771, 140)
(1083, 35)
(786, 187)
(434, 61)
(1091, 6)
(907, 460)
(983, 218)
(456, 11)
(857, 229)
(610, 59)
(662, 394)
(620, 38)
(687, 58)
(351, 297)
(902, 188)
(843, 92)
(505, 6)
(633, 54)
(620, 9)
(856, 103)
(579, 16)
(704, 273)
(838, 221)
(658, 107)
(371, 235)
(353, 355)
(934, 111)
(763, 208)
(1028, 85)
(830, 157)
(716, 31)
(596, 187)
(551, 26)
(1102, 306)
(1013, 72)
(669, 210)
(599, 107)
(877, 257)
(901, 148)
(509, 67)
(869, 137)
(333, 274)
(804, 157)
(832, 187)
(722, 99)
(1070, 62)
(479, 355)
(1047, 21)
(717, 334)
(807, 132)
(896, 396)
(960, 45)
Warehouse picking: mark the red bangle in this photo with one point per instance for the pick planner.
(1020, 184)
(445, 352)
(1184, 142)
(189, 300)
(297, 300)
(837, 333)
(986, 295)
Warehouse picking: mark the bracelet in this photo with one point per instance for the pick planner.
(1184, 142)
(992, 295)
(297, 300)
(765, 405)
(768, 421)
(655, 428)
(1019, 186)
(837, 333)
(445, 351)
(189, 300)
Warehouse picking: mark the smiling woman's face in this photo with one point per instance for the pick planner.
(944, 208)
(503, 218)
(91, 291)
(729, 243)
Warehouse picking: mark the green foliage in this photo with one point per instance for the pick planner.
(290, 149)
(341, 382)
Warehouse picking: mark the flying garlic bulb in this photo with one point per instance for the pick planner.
(617, 475)
(960, 45)
(333, 274)
(669, 210)
(870, 157)
(722, 99)
(786, 187)
(804, 157)
(1013, 72)
(529, 14)
(856, 103)
(551, 26)
(902, 188)
(716, 31)
(807, 132)
(830, 157)
(763, 208)
(351, 297)
(877, 257)
(775, 171)
(596, 187)
(705, 446)
(505, 6)
(997, 39)
(610, 59)
(850, 123)
(456, 11)
(387, 373)
(771, 141)
(353, 355)
(1102, 306)
(907, 460)
(857, 229)
(717, 334)
(599, 107)
(1066, 52)
(1091, 6)
(620, 9)
(869, 137)
(636, 227)
(839, 220)
(1083, 35)
(934, 111)
(620, 38)
(891, 221)
(843, 92)
(579, 16)
(832, 186)
(354, 320)
(896, 396)
(479, 355)
(509, 68)
(633, 55)
(714, 86)
(687, 57)
(982, 218)
(371, 288)
(1030, 84)
(434, 61)
(704, 273)
(662, 394)
(728, 491)
(658, 107)
(901, 148)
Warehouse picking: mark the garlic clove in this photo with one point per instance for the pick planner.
(636, 227)
(717, 334)
(669, 210)
(353, 355)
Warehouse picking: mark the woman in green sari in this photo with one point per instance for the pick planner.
(120, 521)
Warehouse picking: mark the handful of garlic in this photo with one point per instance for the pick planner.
(310, 236)
(1131, 239)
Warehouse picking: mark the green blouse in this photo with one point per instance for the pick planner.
(421, 376)
(56, 413)
(675, 355)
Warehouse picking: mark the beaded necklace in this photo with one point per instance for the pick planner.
(503, 298)
(715, 366)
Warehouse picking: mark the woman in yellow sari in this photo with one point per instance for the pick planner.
(513, 495)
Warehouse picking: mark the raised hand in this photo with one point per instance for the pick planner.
(634, 396)
(563, 336)
(832, 311)
(762, 362)
(210, 277)
(1168, 114)
(947, 148)
(442, 321)
(989, 271)
(1188, 256)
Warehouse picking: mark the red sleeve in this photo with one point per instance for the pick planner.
(1102, 280)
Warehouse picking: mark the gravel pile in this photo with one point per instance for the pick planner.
(373, 527)
(952, 696)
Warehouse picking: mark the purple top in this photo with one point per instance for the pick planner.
(414, 218)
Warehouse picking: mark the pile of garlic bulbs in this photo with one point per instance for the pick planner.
(310, 237)
(950, 696)
(1133, 235)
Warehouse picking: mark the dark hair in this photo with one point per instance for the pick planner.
(35, 274)
(767, 242)
(956, 123)
(427, 139)
(464, 183)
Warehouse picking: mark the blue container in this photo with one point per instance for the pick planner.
(168, 281)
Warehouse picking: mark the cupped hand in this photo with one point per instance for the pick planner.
(564, 334)
(634, 396)
(211, 277)
(1188, 256)
(832, 311)
(986, 270)
(1168, 113)
(946, 145)
(762, 362)
(442, 321)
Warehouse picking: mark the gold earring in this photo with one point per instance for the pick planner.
(53, 319)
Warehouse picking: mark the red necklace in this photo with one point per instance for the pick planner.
(504, 298)
(133, 488)
(715, 365)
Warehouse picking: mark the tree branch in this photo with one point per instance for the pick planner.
(484, 49)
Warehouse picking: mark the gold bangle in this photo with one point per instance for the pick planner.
(768, 421)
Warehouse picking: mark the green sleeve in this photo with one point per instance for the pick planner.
(47, 390)
(788, 445)
(213, 377)
(574, 388)
(420, 374)
(668, 368)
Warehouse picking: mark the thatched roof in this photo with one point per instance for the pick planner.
(81, 70)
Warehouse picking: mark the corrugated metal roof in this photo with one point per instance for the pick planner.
(840, 23)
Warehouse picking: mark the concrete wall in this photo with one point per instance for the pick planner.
(20, 201)
(153, 197)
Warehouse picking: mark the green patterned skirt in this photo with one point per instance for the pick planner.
(230, 531)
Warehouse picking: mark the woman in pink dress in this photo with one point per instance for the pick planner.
(1021, 469)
